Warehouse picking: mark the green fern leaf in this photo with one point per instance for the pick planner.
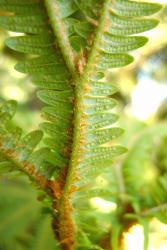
(18, 153)
(135, 9)
(7, 111)
(123, 26)
(118, 44)
(27, 144)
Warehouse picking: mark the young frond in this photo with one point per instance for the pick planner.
(71, 44)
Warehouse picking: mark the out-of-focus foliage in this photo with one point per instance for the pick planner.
(15, 85)
(24, 223)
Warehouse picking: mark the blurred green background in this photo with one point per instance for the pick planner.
(143, 105)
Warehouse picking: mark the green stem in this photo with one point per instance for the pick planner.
(120, 183)
(67, 228)
(79, 116)
(61, 35)
(95, 47)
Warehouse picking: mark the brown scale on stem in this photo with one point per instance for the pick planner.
(53, 188)
(80, 63)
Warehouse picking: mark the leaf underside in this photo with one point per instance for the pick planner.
(50, 74)
(101, 41)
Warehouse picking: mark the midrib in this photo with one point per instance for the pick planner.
(80, 83)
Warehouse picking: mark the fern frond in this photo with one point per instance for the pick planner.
(135, 9)
(72, 44)
(18, 152)
(46, 68)
(108, 51)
